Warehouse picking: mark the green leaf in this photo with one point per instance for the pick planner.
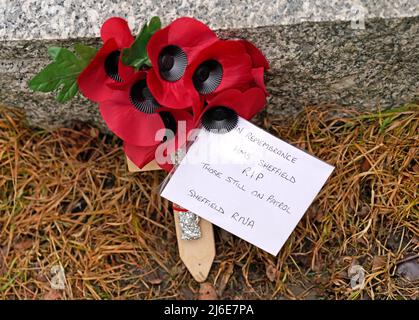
(136, 56)
(86, 53)
(62, 73)
(53, 52)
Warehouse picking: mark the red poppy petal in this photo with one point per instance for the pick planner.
(251, 102)
(247, 104)
(93, 81)
(177, 95)
(258, 59)
(223, 97)
(258, 76)
(141, 156)
(191, 35)
(129, 124)
(185, 124)
(198, 108)
(166, 148)
(187, 33)
(125, 72)
(129, 80)
(168, 167)
(118, 29)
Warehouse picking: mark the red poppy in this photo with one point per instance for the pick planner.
(106, 67)
(131, 112)
(143, 155)
(246, 104)
(171, 50)
(224, 65)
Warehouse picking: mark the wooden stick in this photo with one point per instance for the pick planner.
(197, 255)
(148, 167)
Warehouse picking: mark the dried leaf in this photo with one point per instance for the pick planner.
(53, 295)
(315, 213)
(58, 280)
(207, 292)
(271, 273)
(24, 244)
(363, 212)
(409, 270)
(365, 165)
(94, 133)
(41, 277)
(155, 281)
(177, 269)
(186, 293)
(356, 273)
(225, 277)
(379, 262)
(3, 268)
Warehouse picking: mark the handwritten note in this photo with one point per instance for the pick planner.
(249, 183)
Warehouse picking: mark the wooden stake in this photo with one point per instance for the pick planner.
(148, 167)
(197, 255)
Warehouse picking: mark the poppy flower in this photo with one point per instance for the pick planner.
(141, 155)
(131, 111)
(171, 50)
(224, 65)
(106, 67)
(246, 104)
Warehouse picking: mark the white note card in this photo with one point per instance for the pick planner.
(248, 182)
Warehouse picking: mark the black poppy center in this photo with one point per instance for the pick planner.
(207, 77)
(146, 94)
(167, 62)
(170, 124)
(220, 114)
(202, 73)
(111, 65)
(220, 119)
(172, 63)
(142, 99)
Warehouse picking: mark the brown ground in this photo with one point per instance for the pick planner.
(67, 199)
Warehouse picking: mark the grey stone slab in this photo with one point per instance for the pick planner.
(50, 19)
(311, 63)
(331, 63)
